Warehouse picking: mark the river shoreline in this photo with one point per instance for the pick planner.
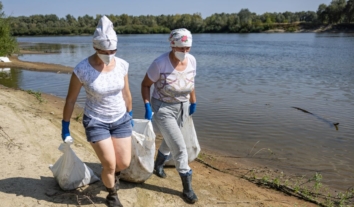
(208, 159)
(273, 28)
(36, 66)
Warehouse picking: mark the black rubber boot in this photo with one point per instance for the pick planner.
(159, 162)
(188, 193)
(117, 176)
(112, 198)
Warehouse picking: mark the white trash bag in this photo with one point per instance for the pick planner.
(191, 140)
(69, 171)
(143, 151)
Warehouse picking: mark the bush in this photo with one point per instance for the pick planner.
(8, 44)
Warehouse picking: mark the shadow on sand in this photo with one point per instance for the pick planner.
(47, 189)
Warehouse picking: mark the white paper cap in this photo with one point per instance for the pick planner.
(105, 38)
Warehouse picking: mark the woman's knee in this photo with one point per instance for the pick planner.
(109, 165)
(109, 168)
(180, 154)
(123, 163)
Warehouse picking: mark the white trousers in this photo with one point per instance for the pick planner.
(169, 117)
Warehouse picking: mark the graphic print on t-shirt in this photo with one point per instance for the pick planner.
(173, 86)
(170, 85)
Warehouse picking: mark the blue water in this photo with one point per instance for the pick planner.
(246, 87)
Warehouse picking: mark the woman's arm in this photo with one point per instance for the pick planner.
(193, 98)
(127, 96)
(145, 88)
(73, 92)
(193, 103)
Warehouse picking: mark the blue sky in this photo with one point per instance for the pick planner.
(153, 7)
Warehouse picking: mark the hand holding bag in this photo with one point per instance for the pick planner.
(69, 171)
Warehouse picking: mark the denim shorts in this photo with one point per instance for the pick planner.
(97, 130)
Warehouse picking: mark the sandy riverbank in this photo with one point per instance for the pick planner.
(16, 63)
(30, 136)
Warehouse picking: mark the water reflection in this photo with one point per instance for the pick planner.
(5, 70)
(47, 82)
(8, 77)
(40, 47)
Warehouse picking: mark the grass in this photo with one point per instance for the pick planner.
(78, 118)
(37, 94)
(308, 188)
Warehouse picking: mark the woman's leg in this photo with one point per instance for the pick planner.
(106, 154)
(174, 139)
(115, 155)
(164, 149)
(166, 120)
(105, 148)
(122, 150)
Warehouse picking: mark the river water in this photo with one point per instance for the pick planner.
(250, 92)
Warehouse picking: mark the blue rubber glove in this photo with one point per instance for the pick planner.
(192, 108)
(148, 111)
(65, 129)
(131, 114)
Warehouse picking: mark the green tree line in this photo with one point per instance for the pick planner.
(338, 11)
(243, 21)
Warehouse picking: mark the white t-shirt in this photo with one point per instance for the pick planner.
(104, 99)
(170, 85)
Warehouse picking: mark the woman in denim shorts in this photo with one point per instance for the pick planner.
(173, 100)
(108, 107)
